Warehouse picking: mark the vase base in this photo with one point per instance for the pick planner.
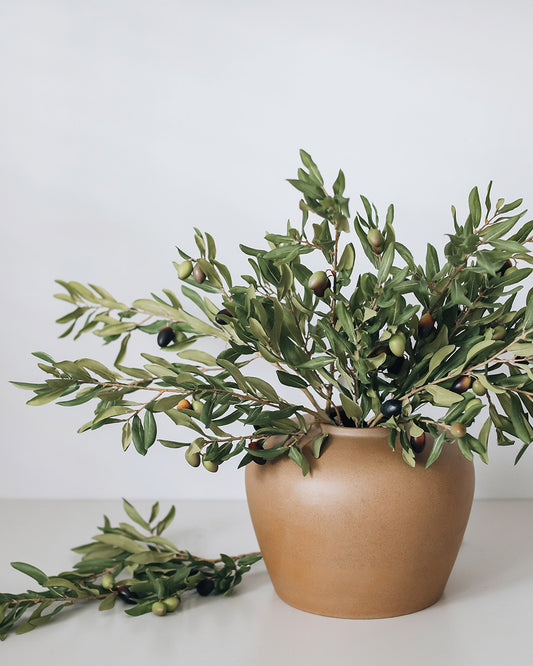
(359, 614)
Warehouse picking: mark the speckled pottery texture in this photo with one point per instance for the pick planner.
(363, 535)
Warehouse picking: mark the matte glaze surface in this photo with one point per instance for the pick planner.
(363, 535)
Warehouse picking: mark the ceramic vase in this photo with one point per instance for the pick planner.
(363, 535)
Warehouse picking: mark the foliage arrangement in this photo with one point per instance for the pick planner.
(159, 574)
(369, 350)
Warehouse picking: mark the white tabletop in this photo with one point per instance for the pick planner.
(485, 616)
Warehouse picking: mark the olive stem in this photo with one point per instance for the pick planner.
(243, 397)
(72, 600)
(333, 315)
(375, 420)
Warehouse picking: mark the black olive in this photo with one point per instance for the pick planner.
(205, 587)
(166, 337)
(194, 571)
(391, 408)
(396, 366)
(124, 592)
(223, 321)
(345, 421)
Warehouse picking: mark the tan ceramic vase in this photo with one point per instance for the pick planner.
(363, 535)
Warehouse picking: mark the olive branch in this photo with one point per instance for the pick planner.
(156, 575)
(366, 351)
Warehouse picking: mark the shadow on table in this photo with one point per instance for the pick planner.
(496, 552)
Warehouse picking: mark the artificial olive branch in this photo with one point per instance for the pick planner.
(156, 575)
(468, 371)
(239, 396)
(365, 351)
(496, 358)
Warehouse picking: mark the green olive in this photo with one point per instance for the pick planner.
(458, 430)
(159, 608)
(108, 581)
(375, 238)
(498, 332)
(397, 344)
(193, 458)
(185, 269)
(210, 465)
(318, 282)
(478, 388)
(197, 406)
(171, 603)
(474, 404)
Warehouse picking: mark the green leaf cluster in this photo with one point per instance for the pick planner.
(348, 349)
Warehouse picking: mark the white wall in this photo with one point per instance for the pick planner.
(125, 123)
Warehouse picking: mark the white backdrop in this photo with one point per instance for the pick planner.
(123, 124)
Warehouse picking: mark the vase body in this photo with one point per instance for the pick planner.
(363, 535)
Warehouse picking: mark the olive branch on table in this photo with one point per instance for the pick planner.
(157, 575)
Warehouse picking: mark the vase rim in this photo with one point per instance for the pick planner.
(340, 431)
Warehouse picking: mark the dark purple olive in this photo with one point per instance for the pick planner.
(257, 446)
(426, 325)
(391, 408)
(194, 571)
(462, 384)
(418, 443)
(198, 274)
(504, 267)
(124, 592)
(223, 321)
(205, 587)
(166, 337)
